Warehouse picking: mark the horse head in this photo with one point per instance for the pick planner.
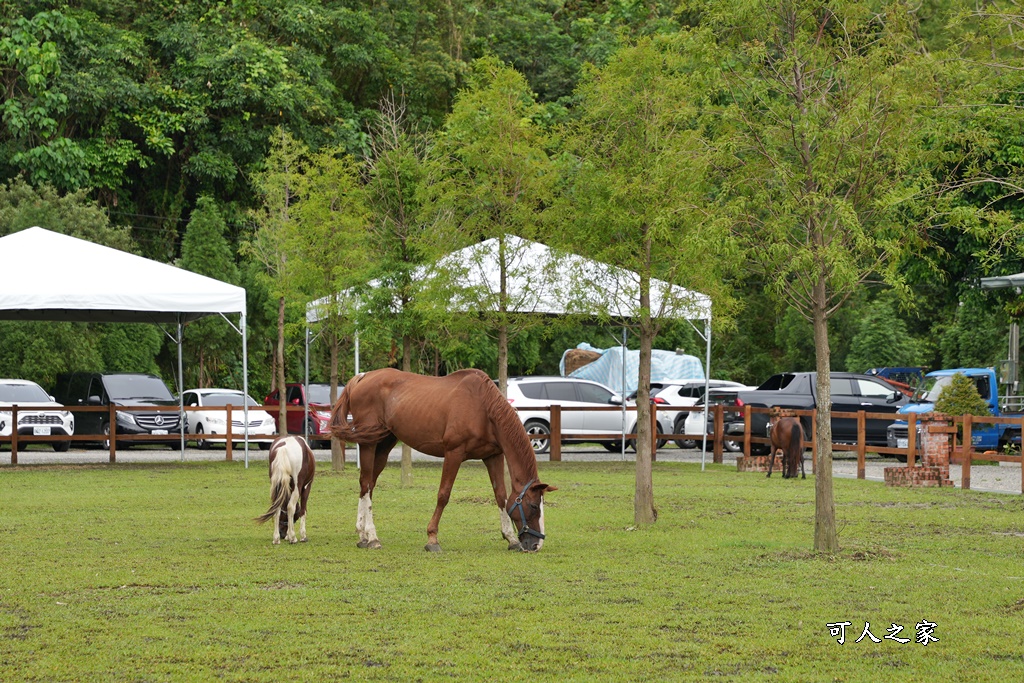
(527, 513)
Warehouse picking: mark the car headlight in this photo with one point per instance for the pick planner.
(267, 422)
(216, 419)
(126, 418)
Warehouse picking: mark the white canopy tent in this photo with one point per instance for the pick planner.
(541, 280)
(1015, 281)
(49, 276)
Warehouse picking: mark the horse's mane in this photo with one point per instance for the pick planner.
(344, 430)
(509, 428)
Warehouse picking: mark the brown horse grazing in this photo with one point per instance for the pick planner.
(292, 468)
(459, 417)
(787, 436)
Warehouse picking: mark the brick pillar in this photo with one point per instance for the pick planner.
(936, 443)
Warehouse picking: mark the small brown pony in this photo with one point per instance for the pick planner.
(787, 436)
(292, 468)
(459, 417)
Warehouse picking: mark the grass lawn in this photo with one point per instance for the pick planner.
(156, 573)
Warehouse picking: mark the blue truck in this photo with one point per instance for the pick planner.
(983, 436)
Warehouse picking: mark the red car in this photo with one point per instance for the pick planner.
(319, 410)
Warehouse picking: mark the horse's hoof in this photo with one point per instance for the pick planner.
(302, 540)
(293, 540)
(433, 547)
(363, 544)
(277, 541)
(374, 545)
(515, 546)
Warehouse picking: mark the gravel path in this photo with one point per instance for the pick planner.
(1003, 478)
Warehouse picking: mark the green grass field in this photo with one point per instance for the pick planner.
(156, 573)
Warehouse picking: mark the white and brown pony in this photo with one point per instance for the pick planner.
(459, 417)
(291, 476)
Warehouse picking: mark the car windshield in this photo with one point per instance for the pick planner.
(137, 387)
(320, 393)
(23, 393)
(220, 400)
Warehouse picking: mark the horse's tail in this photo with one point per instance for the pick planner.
(795, 451)
(344, 429)
(282, 481)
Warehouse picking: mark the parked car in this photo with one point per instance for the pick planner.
(28, 395)
(693, 422)
(538, 393)
(319, 410)
(125, 391)
(851, 392)
(262, 427)
(677, 392)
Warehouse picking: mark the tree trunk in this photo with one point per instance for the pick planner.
(282, 391)
(337, 447)
(825, 538)
(406, 451)
(644, 512)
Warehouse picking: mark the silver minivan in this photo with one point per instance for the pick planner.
(531, 397)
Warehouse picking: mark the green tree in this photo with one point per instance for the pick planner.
(636, 198)
(205, 250)
(882, 338)
(824, 103)
(494, 183)
(270, 244)
(332, 219)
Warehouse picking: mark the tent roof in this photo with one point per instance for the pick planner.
(49, 276)
(1003, 281)
(538, 280)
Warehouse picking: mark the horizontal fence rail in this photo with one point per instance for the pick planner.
(172, 437)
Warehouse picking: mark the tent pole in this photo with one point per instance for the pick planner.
(707, 385)
(181, 393)
(357, 353)
(623, 364)
(245, 385)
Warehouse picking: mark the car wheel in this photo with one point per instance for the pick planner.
(631, 443)
(201, 443)
(612, 446)
(540, 436)
(680, 428)
(264, 445)
(106, 432)
(733, 446)
(61, 446)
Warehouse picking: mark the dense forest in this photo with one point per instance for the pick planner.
(302, 148)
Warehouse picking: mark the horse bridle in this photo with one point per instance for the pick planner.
(524, 527)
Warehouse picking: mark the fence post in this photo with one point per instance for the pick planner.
(14, 435)
(911, 439)
(555, 437)
(112, 429)
(654, 431)
(746, 432)
(228, 455)
(719, 436)
(861, 445)
(966, 449)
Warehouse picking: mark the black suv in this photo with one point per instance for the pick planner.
(123, 390)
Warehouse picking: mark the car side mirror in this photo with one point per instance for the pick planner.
(295, 402)
(616, 399)
(895, 397)
(94, 401)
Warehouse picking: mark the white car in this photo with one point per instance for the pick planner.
(670, 393)
(693, 422)
(203, 424)
(28, 395)
(536, 394)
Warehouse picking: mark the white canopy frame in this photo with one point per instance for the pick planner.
(539, 280)
(88, 282)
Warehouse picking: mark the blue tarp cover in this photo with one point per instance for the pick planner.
(608, 368)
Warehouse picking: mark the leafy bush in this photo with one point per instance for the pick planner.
(961, 397)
